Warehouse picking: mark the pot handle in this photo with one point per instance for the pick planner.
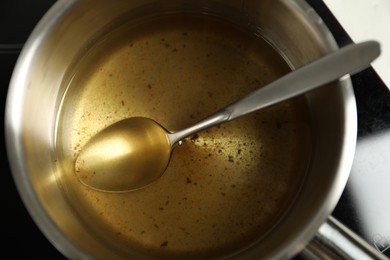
(336, 241)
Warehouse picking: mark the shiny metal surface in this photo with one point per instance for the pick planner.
(335, 241)
(70, 26)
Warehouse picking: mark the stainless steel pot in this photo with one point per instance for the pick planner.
(36, 88)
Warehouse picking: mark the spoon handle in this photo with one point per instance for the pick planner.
(347, 60)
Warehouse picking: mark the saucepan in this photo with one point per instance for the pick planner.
(80, 224)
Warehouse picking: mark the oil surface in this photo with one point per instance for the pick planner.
(224, 187)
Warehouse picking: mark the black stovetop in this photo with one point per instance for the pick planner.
(364, 206)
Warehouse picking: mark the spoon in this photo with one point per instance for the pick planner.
(134, 152)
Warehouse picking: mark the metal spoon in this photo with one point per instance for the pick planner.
(134, 152)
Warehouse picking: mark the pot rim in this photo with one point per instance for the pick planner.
(14, 120)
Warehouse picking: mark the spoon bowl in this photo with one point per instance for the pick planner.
(134, 152)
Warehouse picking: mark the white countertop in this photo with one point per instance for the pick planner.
(367, 20)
